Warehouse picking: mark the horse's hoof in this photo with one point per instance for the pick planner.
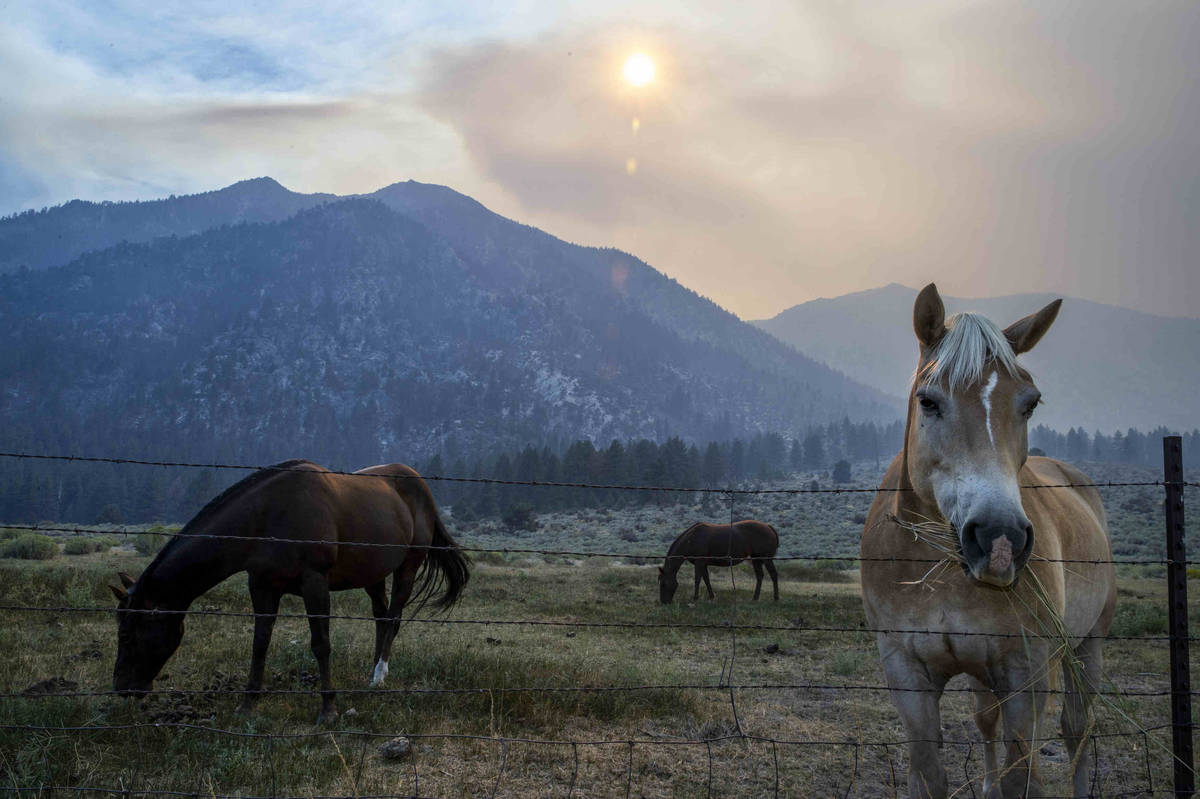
(327, 716)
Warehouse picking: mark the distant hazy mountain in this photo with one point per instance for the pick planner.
(361, 330)
(1100, 366)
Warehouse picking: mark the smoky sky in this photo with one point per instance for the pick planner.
(786, 151)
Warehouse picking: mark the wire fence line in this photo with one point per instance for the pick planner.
(541, 689)
(725, 684)
(627, 744)
(86, 531)
(656, 741)
(600, 625)
(537, 483)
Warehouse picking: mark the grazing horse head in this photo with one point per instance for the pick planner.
(667, 583)
(967, 439)
(146, 639)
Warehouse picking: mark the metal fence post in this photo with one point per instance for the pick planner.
(1181, 698)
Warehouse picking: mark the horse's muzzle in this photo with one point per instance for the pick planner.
(995, 555)
(126, 686)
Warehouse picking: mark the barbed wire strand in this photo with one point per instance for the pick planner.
(86, 531)
(530, 483)
(723, 685)
(462, 736)
(631, 625)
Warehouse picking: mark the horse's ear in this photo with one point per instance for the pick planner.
(1027, 332)
(929, 317)
(119, 593)
(126, 580)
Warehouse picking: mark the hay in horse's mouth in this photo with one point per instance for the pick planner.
(942, 537)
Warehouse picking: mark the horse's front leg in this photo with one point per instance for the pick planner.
(987, 719)
(1025, 684)
(315, 590)
(707, 584)
(916, 692)
(266, 604)
(1080, 683)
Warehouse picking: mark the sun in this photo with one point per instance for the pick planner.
(639, 69)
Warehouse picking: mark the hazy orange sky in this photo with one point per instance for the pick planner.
(784, 151)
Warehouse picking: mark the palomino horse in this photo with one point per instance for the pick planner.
(319, 513)
(720, 545)
(965, 469)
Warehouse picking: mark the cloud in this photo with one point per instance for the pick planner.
(992, 147)
(808, 149)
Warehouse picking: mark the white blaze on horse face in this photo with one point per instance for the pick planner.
(972, 489)
(381, 672)
(986, 397)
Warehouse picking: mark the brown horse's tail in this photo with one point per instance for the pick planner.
(446, 569)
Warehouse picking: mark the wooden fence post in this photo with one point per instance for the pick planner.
(1181, 686)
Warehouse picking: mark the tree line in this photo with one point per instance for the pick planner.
(89, 493)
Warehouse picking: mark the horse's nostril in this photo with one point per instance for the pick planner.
(970, 542)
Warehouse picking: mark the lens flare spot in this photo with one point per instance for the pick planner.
(639, 69)
(631, 166)
(620, 274)
(636, 125)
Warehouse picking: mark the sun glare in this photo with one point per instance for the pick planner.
(639, 69)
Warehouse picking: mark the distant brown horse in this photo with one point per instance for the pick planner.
(727, 545)
(326, 514)
(965, 469)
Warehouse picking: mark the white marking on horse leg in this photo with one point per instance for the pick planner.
(381, 672)
(986, 396)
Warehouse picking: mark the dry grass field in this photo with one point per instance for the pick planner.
(711, 705)
(670, 725)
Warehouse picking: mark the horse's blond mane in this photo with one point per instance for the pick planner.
(972, 343)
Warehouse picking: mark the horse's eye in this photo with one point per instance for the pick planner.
(1031, 407)
(927, 404)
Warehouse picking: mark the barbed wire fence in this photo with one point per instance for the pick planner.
(1178, 690)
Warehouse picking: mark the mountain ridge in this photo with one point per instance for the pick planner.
(163, 343)
(1100, 367)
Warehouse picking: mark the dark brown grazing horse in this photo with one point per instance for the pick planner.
(727, 545)
(324, 512)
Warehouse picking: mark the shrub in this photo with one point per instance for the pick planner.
(86, 544)
(102, 543)
(841, 472)
(149, 543)
(1139, 620)
(30, 547)
(80, 545)
(520, 517)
